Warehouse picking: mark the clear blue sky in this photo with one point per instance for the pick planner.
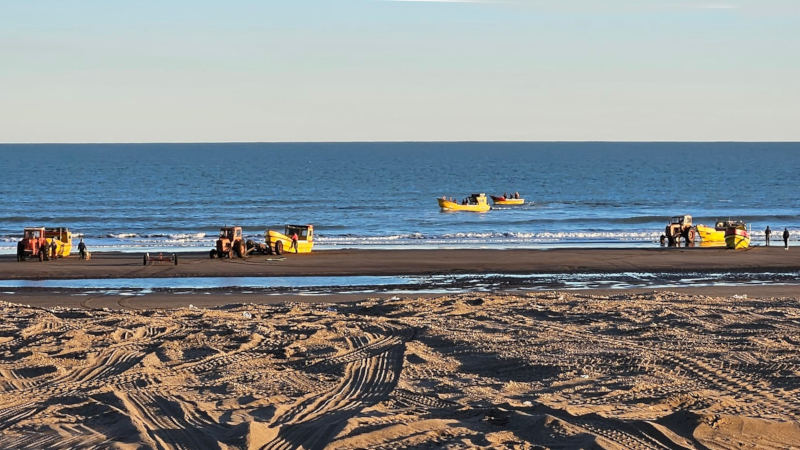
(352, 70)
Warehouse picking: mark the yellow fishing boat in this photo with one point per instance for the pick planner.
(502, 200)
(278, 242)
(717, 234)
(737, 236)
(63, 239)
(474, 203)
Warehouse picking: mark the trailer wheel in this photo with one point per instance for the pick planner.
(212, 254)
(279, 248)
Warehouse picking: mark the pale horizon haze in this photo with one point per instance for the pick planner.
(412, 70)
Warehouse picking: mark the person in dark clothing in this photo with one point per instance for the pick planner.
(767, 232)
(294, 242)
(82, 249)
(786, 239)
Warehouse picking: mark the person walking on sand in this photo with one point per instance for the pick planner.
(294, 242)
(767, 232)
(82, 249)
(785, 238)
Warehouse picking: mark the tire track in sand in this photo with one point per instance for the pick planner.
(371, 372)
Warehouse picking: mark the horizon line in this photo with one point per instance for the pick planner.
(416, 142)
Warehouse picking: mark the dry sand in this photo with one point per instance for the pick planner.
(555, 369)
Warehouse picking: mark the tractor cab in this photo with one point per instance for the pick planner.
(681, 220)
(230, 233)
(33, 243)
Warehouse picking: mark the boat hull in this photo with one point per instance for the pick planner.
(737, 238)
(303, 246)
(709, 234)
(507, 201)
(447, 205)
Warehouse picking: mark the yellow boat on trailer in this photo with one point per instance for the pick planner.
(473, 203)
(279, 243)
(737, 236)
(716, 235)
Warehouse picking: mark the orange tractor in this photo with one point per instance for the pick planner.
(33, 244)
(230, 243)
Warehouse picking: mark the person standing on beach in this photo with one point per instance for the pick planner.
(294, 242)
(785, 238)
(82, 249)
(767, 232)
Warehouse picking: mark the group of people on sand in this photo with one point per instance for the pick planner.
(768, 232)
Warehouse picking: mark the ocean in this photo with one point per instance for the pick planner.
(167, 197)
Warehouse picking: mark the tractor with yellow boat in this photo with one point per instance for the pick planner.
(473, 203)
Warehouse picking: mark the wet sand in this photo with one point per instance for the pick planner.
(413, 262)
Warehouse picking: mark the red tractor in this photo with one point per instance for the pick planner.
(33, 244)
(230, 243)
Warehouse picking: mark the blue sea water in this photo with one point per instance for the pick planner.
(135, 197)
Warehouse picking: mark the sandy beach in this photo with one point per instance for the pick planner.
(539, 370)
(694, 367)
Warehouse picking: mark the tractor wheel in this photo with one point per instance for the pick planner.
(690, 235)
(212, 254)
(279, 248)
(239, 249)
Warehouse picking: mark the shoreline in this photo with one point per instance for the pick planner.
(411, 262)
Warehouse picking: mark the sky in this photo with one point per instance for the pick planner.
(389, 70)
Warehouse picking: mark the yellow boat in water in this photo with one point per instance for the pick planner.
(501, 200)
(737, 236)
(473, 203)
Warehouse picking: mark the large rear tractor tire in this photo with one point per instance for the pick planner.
(279, 248)
(240, 251)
